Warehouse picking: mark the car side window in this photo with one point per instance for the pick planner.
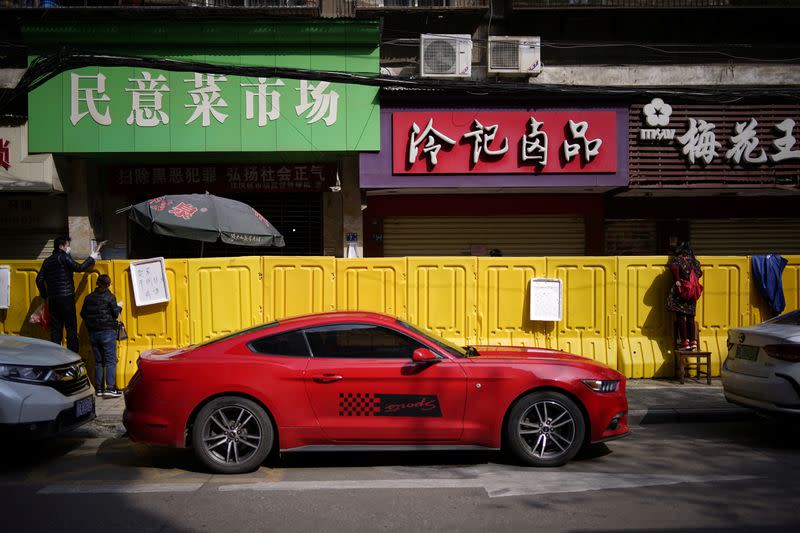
(291, 343)
(360, 341)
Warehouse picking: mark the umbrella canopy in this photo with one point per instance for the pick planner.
(205, 217)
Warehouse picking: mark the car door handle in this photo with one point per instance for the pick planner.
(327, 378)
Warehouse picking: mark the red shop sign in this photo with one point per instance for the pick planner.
(504, 142)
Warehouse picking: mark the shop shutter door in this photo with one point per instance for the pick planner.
(513, 236)
(28, 225)
(746, 236)
(631, 237)
(28, 245)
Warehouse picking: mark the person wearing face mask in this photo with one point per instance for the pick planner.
(56, 285)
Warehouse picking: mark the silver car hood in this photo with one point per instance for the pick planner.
(35, 352)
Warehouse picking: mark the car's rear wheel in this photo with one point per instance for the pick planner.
(232, 435)
(545, 429)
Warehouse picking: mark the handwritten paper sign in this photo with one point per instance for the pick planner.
(546, 299)
(5, 287)
(149, 279)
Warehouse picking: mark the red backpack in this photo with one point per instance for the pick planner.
(691, 289)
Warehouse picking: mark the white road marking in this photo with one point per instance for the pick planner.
(496, 484)
(119, 488)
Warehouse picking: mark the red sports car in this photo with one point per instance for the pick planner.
(361, 379)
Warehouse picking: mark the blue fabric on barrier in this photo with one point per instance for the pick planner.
(767, 272)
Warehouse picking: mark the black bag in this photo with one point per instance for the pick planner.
(122, 333)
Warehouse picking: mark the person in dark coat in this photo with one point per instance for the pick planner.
(681, 265)
(56, 285)
(100, 312)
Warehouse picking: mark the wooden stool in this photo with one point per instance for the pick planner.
(693, 360)
(686, 359)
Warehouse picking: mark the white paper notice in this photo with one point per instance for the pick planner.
(5, 287)
(149, 279)
(546, 299)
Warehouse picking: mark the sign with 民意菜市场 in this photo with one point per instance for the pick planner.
(149, 280)
(116, 109)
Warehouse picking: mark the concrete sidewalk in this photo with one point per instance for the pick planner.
(650, 401)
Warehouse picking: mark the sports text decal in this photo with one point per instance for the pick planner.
(378, 404)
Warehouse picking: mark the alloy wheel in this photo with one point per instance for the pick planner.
(547, 429)
(232, 435)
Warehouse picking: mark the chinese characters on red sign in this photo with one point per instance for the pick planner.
(504, 142)
(226, 178)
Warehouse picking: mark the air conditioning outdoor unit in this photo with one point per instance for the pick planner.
(445, 56)
(515, 55)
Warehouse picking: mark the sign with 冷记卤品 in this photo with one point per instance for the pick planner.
(504, 142)
(119, 109)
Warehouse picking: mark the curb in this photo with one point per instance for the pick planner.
(639, 417)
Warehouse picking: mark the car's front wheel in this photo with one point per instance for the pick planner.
(232, 435)
(545, 429)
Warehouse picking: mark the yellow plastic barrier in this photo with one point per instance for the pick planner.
(298, 286)
(645, 326)
(442, 296)
(152, 326)
(226, 295)
(589, 324)
(613, 306)
(372, 285)
(725, 303)
(504, 301)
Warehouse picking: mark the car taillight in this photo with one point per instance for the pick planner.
(784, 352)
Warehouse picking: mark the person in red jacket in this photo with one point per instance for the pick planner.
(682, 264)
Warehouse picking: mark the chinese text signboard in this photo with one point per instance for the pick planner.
(149, 280)
(120, 109)
(504, 142)
(167, 179)
(714, 143)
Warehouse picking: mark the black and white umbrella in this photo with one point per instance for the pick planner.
(206, 218)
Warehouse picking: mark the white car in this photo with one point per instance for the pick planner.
(762, 370)
(44, 388)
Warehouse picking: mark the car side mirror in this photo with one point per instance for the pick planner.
(424, 355)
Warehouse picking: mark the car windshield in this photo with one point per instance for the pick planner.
(444, 344)
(235, 334)
(792, 318)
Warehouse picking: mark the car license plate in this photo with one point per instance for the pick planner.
(84, 406)
(749, 353)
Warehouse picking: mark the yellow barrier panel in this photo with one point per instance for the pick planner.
(441, 296)
(589, 325)
(298, 286)
(645, 326)
(226, 295)
(377, 285)
(25, 299)
(152, 326)
(725, 303)
(504, 301)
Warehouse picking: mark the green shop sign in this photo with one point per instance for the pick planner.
(125, 109)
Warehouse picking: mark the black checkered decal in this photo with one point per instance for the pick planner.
(358, 404)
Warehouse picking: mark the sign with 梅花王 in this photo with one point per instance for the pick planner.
(117, 109)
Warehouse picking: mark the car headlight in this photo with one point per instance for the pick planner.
(28, 373)
(601, 385)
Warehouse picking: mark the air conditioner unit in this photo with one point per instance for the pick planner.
(515, 55)
(445, 56)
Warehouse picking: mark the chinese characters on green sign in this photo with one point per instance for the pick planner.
(120, 109)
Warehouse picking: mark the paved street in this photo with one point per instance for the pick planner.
(740, 476)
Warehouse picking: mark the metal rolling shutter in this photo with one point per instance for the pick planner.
(514, 236)
(631, 237)
(746, 236)
(28, 225)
